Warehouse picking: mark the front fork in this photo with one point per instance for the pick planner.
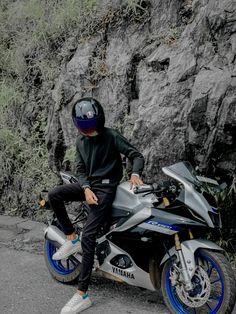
(186, 277)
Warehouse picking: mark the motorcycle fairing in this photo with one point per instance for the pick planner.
(135, 220)
(155, 225)
(185, 174)
(158, 221)
(167, 223)
(133, 275)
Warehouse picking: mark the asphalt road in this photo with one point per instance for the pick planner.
(27, 288)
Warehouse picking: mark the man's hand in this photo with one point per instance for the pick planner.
(90, 197)
(134, 181)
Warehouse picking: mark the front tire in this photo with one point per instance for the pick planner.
(219, 284)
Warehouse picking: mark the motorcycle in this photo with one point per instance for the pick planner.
(156, 239)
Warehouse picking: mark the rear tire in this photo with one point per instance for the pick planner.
(223, 295)
(65, 271)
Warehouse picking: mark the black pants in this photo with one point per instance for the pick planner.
(97, 216)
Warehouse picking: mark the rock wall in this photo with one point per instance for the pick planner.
(167, 81)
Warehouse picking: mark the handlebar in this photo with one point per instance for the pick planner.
(155, 188)
(143, 189)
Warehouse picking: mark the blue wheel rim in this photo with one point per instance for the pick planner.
(177, 304)
(58, 266)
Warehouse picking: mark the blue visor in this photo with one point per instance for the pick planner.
(86, 126)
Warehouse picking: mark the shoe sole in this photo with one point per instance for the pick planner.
(67, 255)
(84, 306)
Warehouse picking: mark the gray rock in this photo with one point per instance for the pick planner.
(21, 234)
(166, 77)
(165, 85)
(10, 222)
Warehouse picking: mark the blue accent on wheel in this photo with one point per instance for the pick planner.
(177, 304)
(57, 265)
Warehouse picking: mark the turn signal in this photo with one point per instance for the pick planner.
(166, 201)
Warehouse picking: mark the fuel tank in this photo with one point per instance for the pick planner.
(127, 200)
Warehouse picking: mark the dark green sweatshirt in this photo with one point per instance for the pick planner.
(98, 159)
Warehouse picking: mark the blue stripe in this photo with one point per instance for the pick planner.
(163, 225)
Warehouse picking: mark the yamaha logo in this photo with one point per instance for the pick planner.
(123, 273)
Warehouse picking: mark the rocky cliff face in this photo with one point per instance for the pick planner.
(165, 72)
(167, 80)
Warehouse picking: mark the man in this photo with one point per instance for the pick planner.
(99, 169)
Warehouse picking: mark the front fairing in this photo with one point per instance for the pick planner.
(193, 198)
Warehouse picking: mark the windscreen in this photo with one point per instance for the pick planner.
(193, 198)
(185, 170)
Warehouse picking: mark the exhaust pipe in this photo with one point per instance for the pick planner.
(54, 235)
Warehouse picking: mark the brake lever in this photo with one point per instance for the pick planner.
(154, 191)
(147, 194)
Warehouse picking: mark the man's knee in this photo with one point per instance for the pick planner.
(54, 194)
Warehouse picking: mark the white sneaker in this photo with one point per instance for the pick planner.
(67, 249)
(76, 304)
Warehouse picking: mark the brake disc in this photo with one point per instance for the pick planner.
(201, 292)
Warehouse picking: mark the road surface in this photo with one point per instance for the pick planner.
(27, 288)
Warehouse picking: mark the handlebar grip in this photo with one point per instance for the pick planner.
(156, 188)
(142, 189)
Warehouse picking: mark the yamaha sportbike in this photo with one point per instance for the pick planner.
(155, 239)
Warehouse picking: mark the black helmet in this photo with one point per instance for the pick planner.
(88, 116)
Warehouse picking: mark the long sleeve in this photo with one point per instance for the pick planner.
(125, 148)
(81, 170)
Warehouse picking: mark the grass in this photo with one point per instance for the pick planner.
(31, 33)
(31, 30)
(9, 95)
(32, 36)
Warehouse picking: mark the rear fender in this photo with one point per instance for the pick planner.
(188, 248)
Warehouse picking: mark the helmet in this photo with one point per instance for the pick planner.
(88, 116)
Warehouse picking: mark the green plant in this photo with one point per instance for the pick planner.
(136, 5)
(33, 44)
(226, 201)
(11, 98)
(230, 254)
(226, 196)
(30, 29)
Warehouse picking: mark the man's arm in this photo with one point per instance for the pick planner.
(83, 179)
(81, 170)
(127, 149)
